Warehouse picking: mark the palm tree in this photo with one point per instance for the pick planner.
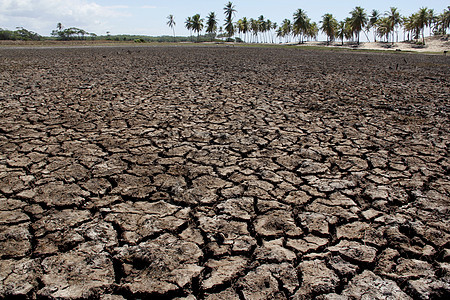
(188, 25)
(373, 21)
(422, 21)
(239, 27)
(274, 27)
(409, 25)
(446, 19)
(59, 26)
(395, 19)
(443, 21)
(262, 28)
(329, 25)
(340, 31)
(359, 21)
(197, 25)
(414, 25)
(384, 27)
(172, 24)
(280, 33)
(229, 12)
(301, 23)
(312, 31)
(243, 27)
(286, 29)
(211, 24)
(269, 30)
(254, 26)
(221, 32)
(348, 29)
(432, 20)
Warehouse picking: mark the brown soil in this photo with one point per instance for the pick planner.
(223, 173)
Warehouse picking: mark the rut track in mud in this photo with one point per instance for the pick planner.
(223, 173)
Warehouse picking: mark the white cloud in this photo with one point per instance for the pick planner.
(42, 15)
(148, 6)
(117, 7)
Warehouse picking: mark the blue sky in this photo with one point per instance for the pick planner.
(148, 17)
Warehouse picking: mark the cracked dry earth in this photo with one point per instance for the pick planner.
(223, 173)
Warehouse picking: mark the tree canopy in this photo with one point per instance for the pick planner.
(19, 34)
(71, 33)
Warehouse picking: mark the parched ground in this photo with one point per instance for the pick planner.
(223, 173)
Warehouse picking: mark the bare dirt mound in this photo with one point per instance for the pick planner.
(223, 173)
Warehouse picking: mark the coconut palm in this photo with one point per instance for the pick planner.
(240, 27)
(412, 26)
(432, 20)
(348, 34)
(443, 21)
(395, 19)
(274, 27)
(261, 27)
(408, 25)
(245, 27)
(301, 23)
(384, 27)
(269, 30)
(340, 31)
(422, 21)
(279, 33)
(254, 26)
(373, 21)
(329, 25)
(312, 31)
(229, 12)
(211, 24)
(197, 25)
(286, 29)
(171, 23)
(188, 25)
(221, 32)
(359, 21)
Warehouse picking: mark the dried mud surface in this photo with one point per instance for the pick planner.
(223, 173)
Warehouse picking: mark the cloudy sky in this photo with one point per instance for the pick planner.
(148, 17)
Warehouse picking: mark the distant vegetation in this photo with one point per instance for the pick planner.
(155, 39)
(71, 33)
(19, 34)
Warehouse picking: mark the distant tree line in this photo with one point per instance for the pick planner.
(19, 34)
(151, 39)
(384, 26)
(71, 33)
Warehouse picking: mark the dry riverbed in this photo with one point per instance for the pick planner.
(223, 173)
